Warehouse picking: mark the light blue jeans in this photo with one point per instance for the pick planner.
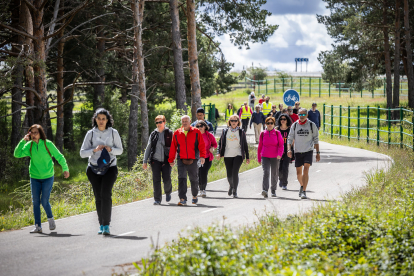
(41, 189)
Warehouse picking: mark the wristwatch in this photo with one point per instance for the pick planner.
(318, 152)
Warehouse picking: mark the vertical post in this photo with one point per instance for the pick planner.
(339, 89)
(310, 87)
(300, 86)
(361, 91)
(350, 92)
(340, 121)
(368, 124)
(378, 125)
(359, 122)
(266, 86)
(274, 84)
(283, 85)
(323, 117)
(384, 86)
(258, 85)
(245, 82)
(319, 87)
(401, 127)
(349, 123)
(389, 126)
(332, 121)
(329, 89)
(291, 82)
(373, 93)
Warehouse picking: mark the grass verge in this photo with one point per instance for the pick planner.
(368, 232)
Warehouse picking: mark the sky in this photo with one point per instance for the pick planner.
(299, 36)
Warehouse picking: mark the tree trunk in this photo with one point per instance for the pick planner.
(410, 73)
(396, 95)
(193, 58)
(59, 79)
(99, 89)
(387, 58)
(180, 94)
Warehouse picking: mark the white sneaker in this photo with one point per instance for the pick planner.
(52, 224)
(37, 229)
(204, 194)
(200, 193)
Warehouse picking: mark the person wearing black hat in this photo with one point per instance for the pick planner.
(101, 145)
(200, 116)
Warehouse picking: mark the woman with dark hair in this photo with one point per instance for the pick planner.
(233, 147)
(101, 145)
(211, 145)
(41, 169)
(284, 124)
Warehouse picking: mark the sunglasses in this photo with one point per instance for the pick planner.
(296, 104)
(283, 119)
(198, 126)
(160, 122)
(302, 115)
(233, 121)
(290, 110)
(269, 123)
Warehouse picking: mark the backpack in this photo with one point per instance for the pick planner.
(294, 129)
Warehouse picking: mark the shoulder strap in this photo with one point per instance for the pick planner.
(91, 137)
(113, 140)
(47, 150)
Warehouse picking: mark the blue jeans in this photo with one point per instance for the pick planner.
(41, 189)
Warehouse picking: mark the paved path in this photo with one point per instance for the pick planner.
(74, 248)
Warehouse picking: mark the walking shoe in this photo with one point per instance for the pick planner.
(168, 197)
(204, 194)
(273, 193)
(37, 229)
(52, 224)
(264, 194)
(194, 200)
(230, 191)
(200, 193)
(182, 203)
(300, 191)
(105, 230)
(284, 188)
(235, 195)
(303, 195)
(157, 202)
(100, 230)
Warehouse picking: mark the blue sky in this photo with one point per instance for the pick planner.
(299, 35)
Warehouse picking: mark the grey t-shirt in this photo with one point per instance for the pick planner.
(305, 136)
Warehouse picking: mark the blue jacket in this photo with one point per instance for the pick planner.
(315, 117)
(257, 118)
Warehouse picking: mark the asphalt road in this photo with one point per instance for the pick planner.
(74, 248)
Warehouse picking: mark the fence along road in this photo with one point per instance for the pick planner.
(74, 248)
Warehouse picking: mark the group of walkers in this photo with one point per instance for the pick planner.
(192, 146)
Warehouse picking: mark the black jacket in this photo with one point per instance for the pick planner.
(168, 134)
(243, 143)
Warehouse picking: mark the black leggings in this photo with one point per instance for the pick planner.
(102, 189)
(203, 174)
(233, 165)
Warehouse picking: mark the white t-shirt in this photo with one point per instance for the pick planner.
(233, 148)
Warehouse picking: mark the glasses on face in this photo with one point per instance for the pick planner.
(269, 123)
(160, 122)
(290, 110)
(198, 126)
(284, 119)
(233, 121)
(296, 104)
(302, 115)
(34, 133)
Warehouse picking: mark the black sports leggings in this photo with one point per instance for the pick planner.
(233, 165)
(203, 174)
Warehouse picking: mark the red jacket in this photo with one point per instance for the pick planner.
(188, 147)
(294, 117)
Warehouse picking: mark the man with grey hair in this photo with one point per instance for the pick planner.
(306, 136)
(188, 146)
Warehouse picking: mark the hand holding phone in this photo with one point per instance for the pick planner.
(27, 137)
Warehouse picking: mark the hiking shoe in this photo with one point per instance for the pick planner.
(37, 229)
(235, 195)
(168, 197)
(157, 202)
(284, 188)
(303, 195)
(300, 191)
(273, 193)
(100, 230)
(204, 194)
(264, 194)
(200, 193)
(182, 203)
(52, 224)
(105, 230)
(230, 191)
(194, 200)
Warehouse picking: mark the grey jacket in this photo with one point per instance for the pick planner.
(305, 136)
(109, 137)
(160, 149)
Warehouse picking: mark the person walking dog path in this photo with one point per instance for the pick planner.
(41, 170)
(101, 146)
(269, 153)
(157, 153)
(188, 145)
(233, 147)
(306, 136)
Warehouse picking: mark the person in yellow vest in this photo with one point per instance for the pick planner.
(229, 112)
(267, 106)
(245, 114)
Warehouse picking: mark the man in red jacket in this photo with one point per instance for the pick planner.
(188, 145)
(292, 115)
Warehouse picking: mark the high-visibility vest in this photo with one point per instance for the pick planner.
(229, 112)
(266, 108)
(246, 113)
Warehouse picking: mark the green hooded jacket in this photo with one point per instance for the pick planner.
(41, 164)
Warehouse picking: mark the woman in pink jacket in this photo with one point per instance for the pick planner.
(269, 153)
(211, 145)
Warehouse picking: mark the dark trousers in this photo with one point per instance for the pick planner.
(284, 170)
(233, 165)
(102, 189)
(245, 123)
(203, 174)
(270, 172)
(161, 169)
(192, 171)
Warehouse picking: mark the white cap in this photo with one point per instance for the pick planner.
(252, 93)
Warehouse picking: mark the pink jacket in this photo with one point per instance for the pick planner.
(271, 145)
(209, 141)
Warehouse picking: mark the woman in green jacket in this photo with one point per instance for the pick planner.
(41, 169)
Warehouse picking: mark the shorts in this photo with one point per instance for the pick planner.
(303, 157)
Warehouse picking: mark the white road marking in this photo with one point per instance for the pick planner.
(123, 234)
(209, 210)
(329, 163)
(318, 170)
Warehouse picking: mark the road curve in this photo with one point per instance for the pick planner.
(74, 248)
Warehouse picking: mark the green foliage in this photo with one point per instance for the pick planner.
(282, 74)
(257, 73)
(175, 121)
